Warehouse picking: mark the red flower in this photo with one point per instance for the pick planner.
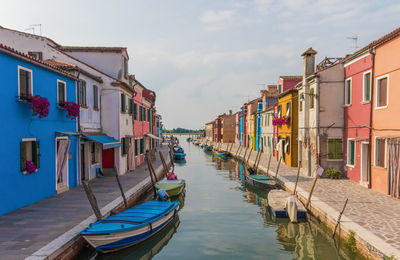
(72, 108)
(40, 106)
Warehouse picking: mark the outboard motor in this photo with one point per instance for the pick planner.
(162, 195)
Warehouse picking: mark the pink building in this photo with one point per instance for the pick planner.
(288, 82)
(357, 115)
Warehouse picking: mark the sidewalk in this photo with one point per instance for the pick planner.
(374, 217)
(60, 218)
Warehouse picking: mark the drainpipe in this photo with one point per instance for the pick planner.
(372, 52)
(317, 141)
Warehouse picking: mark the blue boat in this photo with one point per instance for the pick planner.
(222, 153)
(131, 226)
(178, 149)
(179, 156)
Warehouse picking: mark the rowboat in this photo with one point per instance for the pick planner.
(131, 226)
(172, 187)
(284, 205)
(178, 149)
(208, 148)
(179, 156)
(222, 153)
(261, 181)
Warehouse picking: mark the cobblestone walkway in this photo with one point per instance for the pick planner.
(26, 230)
(376, 212)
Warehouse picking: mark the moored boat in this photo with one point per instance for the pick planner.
(208, 148)
(222, 153)
(282, 204)
(172, 187)
(261, 181)
(131, 226)
(179, 156)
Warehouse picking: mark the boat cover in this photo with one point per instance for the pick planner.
(259, 177)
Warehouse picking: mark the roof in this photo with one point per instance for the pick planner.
(10, 51)
(92, 49)
(287, 92)
(64, 65)
(31, 35)
(291, 77)
(309, 51)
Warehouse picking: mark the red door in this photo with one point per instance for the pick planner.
(108, 158)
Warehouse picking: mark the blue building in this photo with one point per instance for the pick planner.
(39, 155)
(259, 142)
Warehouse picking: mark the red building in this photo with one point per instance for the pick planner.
(357, 115)
(288, 82)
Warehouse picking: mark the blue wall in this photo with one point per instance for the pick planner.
(258, 130)
(18, 189)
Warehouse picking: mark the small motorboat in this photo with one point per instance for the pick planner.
(208, 148)
(178, 149)
(282, 204)
(261, 181)
(222, 153)
(179, 156)
(131, 226)
(172, 187)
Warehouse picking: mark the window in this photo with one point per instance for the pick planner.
(335, 149)
(311, 98)
(279, 88)
(288, 109)
(381, 92)
(141, 146)
(125, 61)
(125, 145)
(140, 113)
(347, 92)
(36, 55)
(95, 153)
(136, 147)
(351, 152)
(95, 97)
(29, 151)
(24, 82)
(135, 111)
(367, 87)
(82, 93)
(123, 107)
(279, 111)
(130, 106)
(301, 105)
(380, 152)
(61, 92)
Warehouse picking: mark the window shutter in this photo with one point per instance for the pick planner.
(331, 149)
(135, 111)
(367, 86)
(382, 92)
(23, 155)
(84, 93)
(79, 93)
(122, 102)
(36, 153)
(339, 149)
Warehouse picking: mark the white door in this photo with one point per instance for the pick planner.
(62, 148)
(364, 163)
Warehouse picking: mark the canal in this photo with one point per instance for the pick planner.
(222, 218)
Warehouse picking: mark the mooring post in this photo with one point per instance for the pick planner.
(277, 169)
(338, 220)
(248, 158)
(92, 200)
(164, 164)
(244, 156)
(120, 188)
(269, 162)
(258, 161)
(319, 172)
(297, 178)
(151, 176)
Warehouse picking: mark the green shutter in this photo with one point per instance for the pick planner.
(122, 102)
(22, 146)
(135, 111)
(331, 148)
(352, 152)
(36, 153)
(136, 147)
(367, 89)
(339, 149)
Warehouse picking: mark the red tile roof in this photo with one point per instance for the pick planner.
(64, 65)
(28, 58)
(291, 77)
(92, 49)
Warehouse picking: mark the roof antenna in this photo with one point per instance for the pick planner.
(31, 28)
(355, 39)
(37, 25)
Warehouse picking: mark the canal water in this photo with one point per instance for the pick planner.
(222, 218)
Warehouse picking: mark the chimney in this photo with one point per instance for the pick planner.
(230, 112)
(308, 62)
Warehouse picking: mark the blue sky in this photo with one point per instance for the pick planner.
(205, 57)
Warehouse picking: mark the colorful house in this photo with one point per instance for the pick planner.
(251, 123)
(49, 143)
(228, 128)
(209, 129)
(269, 98)
(243, 129)
(237, 127)
(357, 115)
(267, 130)
(287, 122)
(385, 134)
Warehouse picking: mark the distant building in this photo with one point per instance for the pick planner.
(228, 128)
(210, 131)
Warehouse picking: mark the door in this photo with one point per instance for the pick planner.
(108, 158)
(83, 165)
(62, 149)
(364, 162)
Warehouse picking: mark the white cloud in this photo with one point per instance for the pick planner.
(217, 16)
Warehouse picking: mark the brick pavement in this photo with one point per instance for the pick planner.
(26, 230)
(374, 217)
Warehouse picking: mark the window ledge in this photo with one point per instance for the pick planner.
(380, 167)
(23, 99)
(384, 107)
(83, 106)
(26, 173)
(365, 102)
(334, 160)
(96, 109)
(95, 164)
(350, 165)
(348, 105)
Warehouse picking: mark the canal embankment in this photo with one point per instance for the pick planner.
(373, 217)
(50, 229)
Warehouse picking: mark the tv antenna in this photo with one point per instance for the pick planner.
(355, 39)
(32, 27)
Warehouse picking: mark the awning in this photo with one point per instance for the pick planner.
(64, 133)
(107, 141)
(153, 136)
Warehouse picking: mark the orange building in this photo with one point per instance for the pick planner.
(385, 134)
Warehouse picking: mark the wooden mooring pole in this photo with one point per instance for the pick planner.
(269, 163)
(120, 188)
(258, 161)
(338, 220)
(277, 169)
(248, 158)
(151, 175)
(164, 164)
(244, 156)
(297, 178)
(92, 200)
(319, 172)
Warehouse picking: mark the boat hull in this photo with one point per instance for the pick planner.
(172, 189)
(179, 156)
(264, 184)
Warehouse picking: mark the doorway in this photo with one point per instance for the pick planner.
(83, 163)
(364, 163)
(62, 153)
(108, 158)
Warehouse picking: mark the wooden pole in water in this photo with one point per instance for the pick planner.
(340, 216)
(164, 164)
(92, 200)
(172, 161)
(151, 176)
(258, 161)
(312, 190)
(277, 169)
(120, 188)
(297, 178)
(238, 150)
(248, 158)
(244, 156)
(269, 162)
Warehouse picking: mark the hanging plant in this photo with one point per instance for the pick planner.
(39, 105)
(72, 108)
(275, 121)
(283, 120)
(30, 167)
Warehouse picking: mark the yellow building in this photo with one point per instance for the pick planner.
(287, 120)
